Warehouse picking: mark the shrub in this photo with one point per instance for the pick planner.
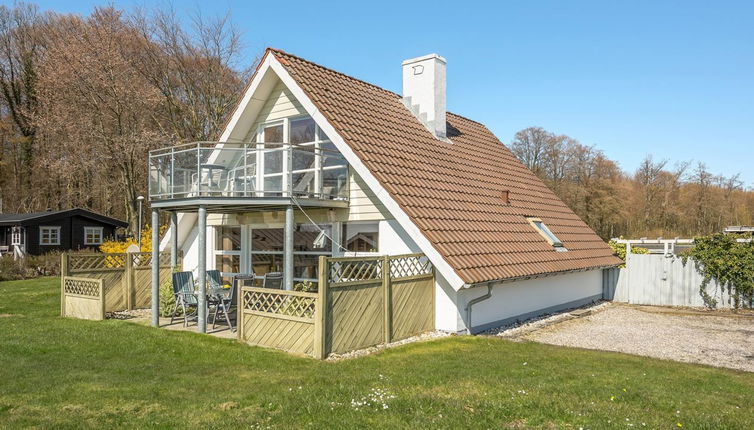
(11, 270)
(31, 266)
(113, 246)
(721, 257)
(167, 299)
(619, 249)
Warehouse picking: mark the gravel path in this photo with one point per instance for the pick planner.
(715, 338)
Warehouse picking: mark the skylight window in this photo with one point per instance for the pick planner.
(545, 232)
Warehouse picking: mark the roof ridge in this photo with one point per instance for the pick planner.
(282, 52)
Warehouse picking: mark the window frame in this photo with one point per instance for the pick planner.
(320, 139)
(101, 232)
(49, 229)
(343, 239)
(545, 232)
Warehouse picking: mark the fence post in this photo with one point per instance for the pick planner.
(102, 298)
(63, 273)
(129, 281)
(387, 299)
(320, 312)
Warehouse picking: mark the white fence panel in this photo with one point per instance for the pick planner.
(661, 280)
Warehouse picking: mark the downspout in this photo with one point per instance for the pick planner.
(471, 303)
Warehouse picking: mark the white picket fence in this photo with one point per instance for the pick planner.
(662, 280)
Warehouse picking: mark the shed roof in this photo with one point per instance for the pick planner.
(37, 217)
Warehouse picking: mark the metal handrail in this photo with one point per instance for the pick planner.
(219, 163)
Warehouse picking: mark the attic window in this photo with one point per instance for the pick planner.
(545, 232)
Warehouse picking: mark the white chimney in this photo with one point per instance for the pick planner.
(424, 91)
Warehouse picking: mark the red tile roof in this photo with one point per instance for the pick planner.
(453, 192)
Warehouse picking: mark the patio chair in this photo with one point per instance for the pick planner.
(273, 280)
(214, 278)
(183, 288)
(227, 305)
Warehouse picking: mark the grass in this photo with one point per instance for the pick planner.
(66, 373)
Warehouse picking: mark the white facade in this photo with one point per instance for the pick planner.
(525, 299)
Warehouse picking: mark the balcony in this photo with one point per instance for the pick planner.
(235, 175)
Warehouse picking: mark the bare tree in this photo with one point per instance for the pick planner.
(20, 52)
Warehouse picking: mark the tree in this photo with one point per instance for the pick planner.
(21, 48)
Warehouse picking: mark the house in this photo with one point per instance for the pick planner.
(41, 232)
(313, 162)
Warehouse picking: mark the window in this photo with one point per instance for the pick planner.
(309, 243)
(228, 251)
(92, 235)
(317, 168)
(361, 237)
(545, 232)
(49, 235)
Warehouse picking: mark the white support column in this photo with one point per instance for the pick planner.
(155, 268)
(288, 249)
(202, 270)
(173, 240)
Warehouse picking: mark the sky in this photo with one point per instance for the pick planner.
(670, 79)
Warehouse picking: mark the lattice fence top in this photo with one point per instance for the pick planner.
(276, 302)
(83, 262)
(93, 262)
(355, 270)
(142, 259)
(404, 266)
(82, 287)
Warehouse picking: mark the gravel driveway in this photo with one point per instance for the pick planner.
(715, 338)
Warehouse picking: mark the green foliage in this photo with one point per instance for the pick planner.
(32, 266)
(722, 258)
(619, 249)
(167, 299)
(305, 286)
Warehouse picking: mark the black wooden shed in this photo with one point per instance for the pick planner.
(41, 232)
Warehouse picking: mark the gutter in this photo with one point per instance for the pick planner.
(536, 276)
(471, 303)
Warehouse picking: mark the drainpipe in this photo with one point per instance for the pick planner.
(471, 303)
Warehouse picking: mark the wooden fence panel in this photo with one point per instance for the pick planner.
(413, 306)
(278, 319)
(375, 300)
(126, 278)
(83, 298)
(354, 317)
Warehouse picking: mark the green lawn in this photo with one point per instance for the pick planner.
(65, 373)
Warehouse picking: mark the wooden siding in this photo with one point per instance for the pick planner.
(363, 204)
(280, 104)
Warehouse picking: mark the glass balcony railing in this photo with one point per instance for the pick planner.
(217, 169)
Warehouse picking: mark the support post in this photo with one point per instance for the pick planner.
(64, 257)
(320, 314)
(202, 269)
(387, 301)
(155, 268)
(173, 240)
(288, 249)
(128, 280)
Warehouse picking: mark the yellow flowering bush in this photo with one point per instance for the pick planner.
(113, 246)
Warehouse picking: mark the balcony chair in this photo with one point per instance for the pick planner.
(273, 280)
(183, 289)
